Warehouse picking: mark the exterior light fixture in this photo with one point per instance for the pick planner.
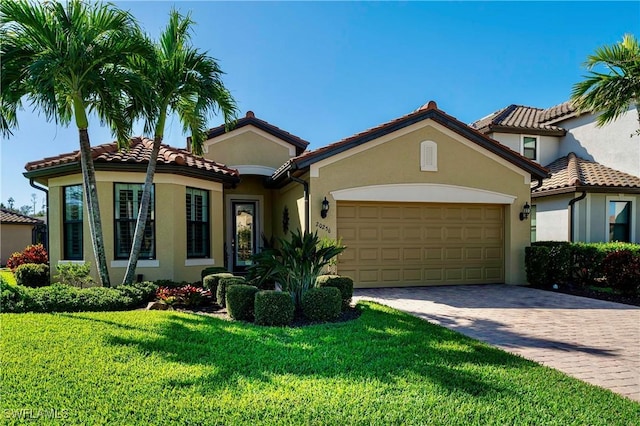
(526, 209)
(325, 208)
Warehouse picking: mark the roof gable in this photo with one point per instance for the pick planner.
(427, 111)
(518, 119)
(251, 120)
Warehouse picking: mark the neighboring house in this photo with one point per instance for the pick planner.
(593, 192)
(423, 199)
(17, 232)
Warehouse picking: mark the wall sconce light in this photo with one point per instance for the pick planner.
(325, 208)
(526, 209)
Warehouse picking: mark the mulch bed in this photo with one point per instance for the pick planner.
(299, 321)
(594, 294)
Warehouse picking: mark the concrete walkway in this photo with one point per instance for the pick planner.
(593, 340)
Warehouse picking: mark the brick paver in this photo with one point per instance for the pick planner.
(593, 340)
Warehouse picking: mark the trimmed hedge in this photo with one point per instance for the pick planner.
(65, 298)
(210, 282)
(344, 284)
(32, 274)
(221, 291)
(582, 264)
(212, 270)
(240, 301)
(275, 308)
(622, 271)
(322, 303)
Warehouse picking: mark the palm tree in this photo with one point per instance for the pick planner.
(186, 82)
(613, 92)
(67, 62)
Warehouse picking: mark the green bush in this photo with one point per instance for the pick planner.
(622, 271)
(210, 282)
(273, 308)
(344, 284)
(221, 291)
(581, 264)
(322, 303)
(536, 262)
(240, 301)
(65, 298)
(32, 274)
(212, 270)
(75, 274)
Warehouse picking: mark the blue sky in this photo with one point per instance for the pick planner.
(326, 70)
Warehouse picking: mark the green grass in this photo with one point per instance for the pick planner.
(7, 276)
(151, 367)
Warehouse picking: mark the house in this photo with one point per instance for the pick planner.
(593, 191)
(423, 199)
(18, 231)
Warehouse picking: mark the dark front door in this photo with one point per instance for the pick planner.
(243, 234)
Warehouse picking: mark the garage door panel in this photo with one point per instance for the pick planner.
(396, 244)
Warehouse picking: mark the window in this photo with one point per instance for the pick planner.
(530, 147)
(198, 223)
(72, 222)
(127, 205)
(532, 217)
(620, 221)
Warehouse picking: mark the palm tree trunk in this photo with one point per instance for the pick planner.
(93, 209)
(143, 213)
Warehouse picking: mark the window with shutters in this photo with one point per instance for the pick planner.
(72, 222)
(127, 205)
(198, 245)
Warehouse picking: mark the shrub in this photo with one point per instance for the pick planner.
(170, 283)
(240, 301)
(139, 292)
(65, 298)
(273, 308)
(221, 291)
(295, 264)
(75, 274)
(187, 296)
(536, 265)
(344, 284)
(32, 274)
(622, 271)
(322, 304)
(212, 270)
(210, 282)
(31, 254)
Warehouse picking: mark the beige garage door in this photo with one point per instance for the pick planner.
(411, 244)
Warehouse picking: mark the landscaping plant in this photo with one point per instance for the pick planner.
(240, 301)
(187, 296)
(272, 307)
(75, 274)
(35, 253)
(295, 264)
(32, 274)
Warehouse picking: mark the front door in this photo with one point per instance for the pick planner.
(243, 237)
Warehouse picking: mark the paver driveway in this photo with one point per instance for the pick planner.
(592, 340)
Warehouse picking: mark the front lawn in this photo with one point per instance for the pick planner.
(159, 367)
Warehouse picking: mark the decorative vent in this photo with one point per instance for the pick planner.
(429, 156)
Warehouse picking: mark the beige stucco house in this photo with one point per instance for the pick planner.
(421, 200)
(17, 231)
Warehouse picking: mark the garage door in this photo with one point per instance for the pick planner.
(411, 244)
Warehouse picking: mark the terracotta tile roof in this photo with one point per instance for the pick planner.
(517, 118)
(558, 112)
(11, 217)
(427, 111)
(251, 119)
(572, 173)
(138, 153)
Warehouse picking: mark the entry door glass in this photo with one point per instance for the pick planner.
(244, 234)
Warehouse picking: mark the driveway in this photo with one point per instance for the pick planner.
(593, 340)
